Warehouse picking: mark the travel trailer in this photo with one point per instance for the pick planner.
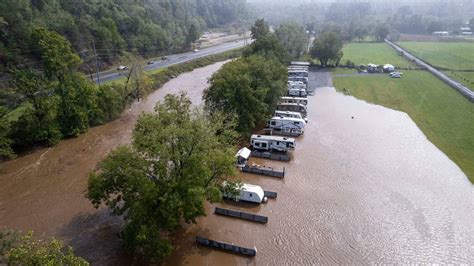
(248, 192)
(290, 114)
(297, 73)
(289, 125)
(294, 107)
(242, 157)
(272, 143)
(303, 79)
(301, 100)
(297, 92)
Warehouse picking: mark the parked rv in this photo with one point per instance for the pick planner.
(287, 124)
(303, 79)
(297, 73)
(290, 114)
(248, 192)
(294, 107)
(297, 92)
(301, 100)
(272, 143)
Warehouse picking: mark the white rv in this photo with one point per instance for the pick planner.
(294, 107)
(248, 192)
(290, 114)
(297, 92)
(287, 124)
(272, 143)
(297, 73)
(301, 100)
(303, 79)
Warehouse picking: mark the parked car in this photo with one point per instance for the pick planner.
(164, 58)
(196, 50)
(151, 62)
(122, 67)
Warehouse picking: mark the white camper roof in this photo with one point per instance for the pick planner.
(254, 189)
(286, 112)
(275, 138)
(293, 98)
(299, 63)
(290, 119)
(244, 153)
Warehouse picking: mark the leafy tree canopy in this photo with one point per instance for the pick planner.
(327, 47)
(178, 158)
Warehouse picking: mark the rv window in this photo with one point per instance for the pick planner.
(273, 123)
(278, 143)
(264, 145)
(296, 123)
(250, 194)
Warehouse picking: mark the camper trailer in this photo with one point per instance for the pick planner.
(290, 114)
(297, 92)
(287, 124)
(301, 100)
(302, 79)
(272, 143)
(297, 73)
(242, 157)
(294, 107)
(248, 192)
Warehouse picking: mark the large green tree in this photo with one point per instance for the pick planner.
(266, 43)
(178, 157)
(249, 87)
(293, 37)
(327, 47)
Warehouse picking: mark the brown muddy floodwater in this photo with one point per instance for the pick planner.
(371, 189)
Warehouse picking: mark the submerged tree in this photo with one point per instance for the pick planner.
(178, 158)
(16, 249)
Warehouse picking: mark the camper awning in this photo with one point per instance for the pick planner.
(244, 153)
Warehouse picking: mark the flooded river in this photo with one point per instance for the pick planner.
(367, 189)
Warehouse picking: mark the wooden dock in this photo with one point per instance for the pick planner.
(271, 156)
(251, 252)
(263, 170)
(242, 215)
(270, 194)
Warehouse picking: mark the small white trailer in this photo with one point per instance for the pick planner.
(297, 92)
(247, 192)
(302, 79)
(272, 143)
(294, 107)
(290, 114)
(291, 99)
(290, 125)
(242, 157)
(297, 73)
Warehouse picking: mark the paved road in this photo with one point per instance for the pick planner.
(465, 91)
(176, 59)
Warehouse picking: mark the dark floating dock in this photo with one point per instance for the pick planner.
(271, 156)
(270, 194)
(262, 170)
(251, 252)
(242, 215)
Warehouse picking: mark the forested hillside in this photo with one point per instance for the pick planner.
(144, 27)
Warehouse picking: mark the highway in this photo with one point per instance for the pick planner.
(174, 59)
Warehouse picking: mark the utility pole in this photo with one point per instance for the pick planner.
(96, 64)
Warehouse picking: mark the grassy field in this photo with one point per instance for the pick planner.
(450, 55)
(376, 53)
(445, 117)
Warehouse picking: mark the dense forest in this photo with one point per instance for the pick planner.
(47, 45)
(113, 26)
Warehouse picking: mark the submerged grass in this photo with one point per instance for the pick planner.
(444, 115)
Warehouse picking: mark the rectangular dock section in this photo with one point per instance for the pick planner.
(270, 194)
(262, 170)
(271, 156)
(251, 252)
(242, 215)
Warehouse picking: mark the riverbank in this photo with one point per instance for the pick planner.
(44, 191)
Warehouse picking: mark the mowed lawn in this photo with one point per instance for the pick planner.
(450, 55)
(445, 117)
(375, 53)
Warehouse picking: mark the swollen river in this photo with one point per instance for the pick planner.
(367, 189)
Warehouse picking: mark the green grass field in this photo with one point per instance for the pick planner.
(451, 55)
(445, 117)
(376, 53)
